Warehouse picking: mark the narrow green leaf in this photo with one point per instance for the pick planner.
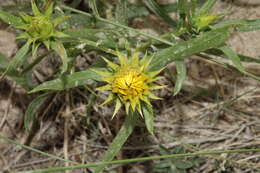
(148, 117)
(183, 9)
(207, 6)
(68, 81)
(233, 57)
(159, 11)
(93, 6)
(33, 108)
(18, 59)
(58, 47)
(13, 74)
(49, 10)
(35, 9)
(184, 49)
(181, 75)
(244, 58)
(121, 137)
(102, 37)
(10, 19)
(236, 61)
(241, 25)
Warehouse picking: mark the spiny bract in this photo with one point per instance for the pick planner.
(130, 82)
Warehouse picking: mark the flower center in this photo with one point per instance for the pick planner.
(130, 83)
(41, 27)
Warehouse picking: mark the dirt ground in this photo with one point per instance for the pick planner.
(218, 109)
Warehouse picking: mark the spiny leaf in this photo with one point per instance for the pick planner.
(18, 59)
(236, 61)
(10, 19)
(33, 108)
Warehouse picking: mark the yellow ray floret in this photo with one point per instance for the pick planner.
(129, 81)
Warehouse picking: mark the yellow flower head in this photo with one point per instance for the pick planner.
(130, 82)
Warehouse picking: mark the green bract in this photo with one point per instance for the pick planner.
(203, 21)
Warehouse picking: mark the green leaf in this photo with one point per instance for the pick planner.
(183, 11)
(207, 6)
(10, 19)
(13, 74)
(183, 164)
(61, 51)
(121, 137)
(33, 108)
(236, 61)
(244, 58)
(241, 25)
(181, 75)
(102, 37)
(148, 117)
(154, 7)
(93, 6)
(136, 11)
(18, 59)
(35, 9)
(68, 81)
(184, 49)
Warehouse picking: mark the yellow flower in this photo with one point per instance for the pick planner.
(130, 82)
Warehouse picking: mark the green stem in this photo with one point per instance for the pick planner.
(140, 159)
(116, 24)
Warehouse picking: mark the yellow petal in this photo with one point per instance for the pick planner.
(134, 101)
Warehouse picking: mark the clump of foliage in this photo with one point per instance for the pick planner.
(106, 32)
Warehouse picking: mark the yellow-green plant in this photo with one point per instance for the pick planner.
(41, 27)
(129, 82)
(38, 29)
